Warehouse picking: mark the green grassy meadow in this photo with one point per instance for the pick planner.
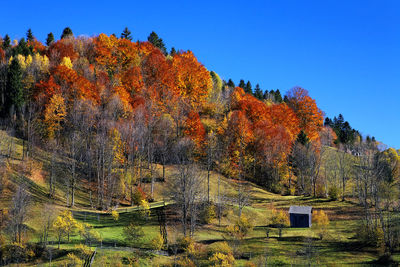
(338, 248)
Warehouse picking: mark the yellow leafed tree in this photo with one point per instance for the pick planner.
(66, 61)
(320, 223)
(65, 224)
(54, 115)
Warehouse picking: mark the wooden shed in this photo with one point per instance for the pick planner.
(300, 216)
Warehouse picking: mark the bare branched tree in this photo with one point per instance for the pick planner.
(186, 187)
(18, 214)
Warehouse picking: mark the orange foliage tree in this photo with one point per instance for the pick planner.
(74, 85)
(37, 46)
(193, 79)
(309, 115)
(195, 129)
(60, 49)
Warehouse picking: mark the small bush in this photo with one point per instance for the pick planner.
(370, 235)
(333, 192)
(144, 208)
(74, 260)
(115, 215)
(186, 244)
(221, 260)
(157, 242)
(19, 253)
(221, 247)
(185, 262)
(240, 229)
(320, 223)
(208, 213)
(133, 234)
(279, 219)
(138, 196)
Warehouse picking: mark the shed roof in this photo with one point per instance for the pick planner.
(300, 209)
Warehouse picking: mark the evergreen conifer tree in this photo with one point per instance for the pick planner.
(231, 83)
(126, 34)
(14, 90)
(285, 99)
(242, 84)
(22, 48)
(258, 92)
(29, 35)
(248, 89)
(328, 122)
(157, 42)
(49, 39)
(278, 96)
(173, 52)
(6, 42)
(266, 94)
(67, 32)
(302, 138)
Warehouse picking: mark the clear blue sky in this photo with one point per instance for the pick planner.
(346, 53)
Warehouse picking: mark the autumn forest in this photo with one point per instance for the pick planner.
(121, 143)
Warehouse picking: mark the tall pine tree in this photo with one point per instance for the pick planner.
(6, 42)
(14, 90)
(231, 83)
(126, 34)
(67, 32)
(242, 84)
(258, 92)
(29, 36)
(49, 39)
(22, 48)
(173, 52)
(248, 89)
(278, 96)
(157, 42)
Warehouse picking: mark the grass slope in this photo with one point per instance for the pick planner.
(338, 249)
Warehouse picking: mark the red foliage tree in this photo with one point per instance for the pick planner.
(309, 115)
(60, 49)
(193, 79)
(194, 128)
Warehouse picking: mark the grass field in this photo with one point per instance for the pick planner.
(339, 247)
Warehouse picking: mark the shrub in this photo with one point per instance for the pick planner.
(138, 196)
(221, 247)
(83, 251)
(186, 244)
(17, 253)
(240, 229)
(333, 192)
(370, 235)
(221, 260)
(320, 223)
(87, 233)
(157, 242)
(279, 219)
(133, 234)
(74, 260)
(144, 208)
(208, 213)
(115, 215)
(185, 262)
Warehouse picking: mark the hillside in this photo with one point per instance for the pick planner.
(344, 220)
(119, 151)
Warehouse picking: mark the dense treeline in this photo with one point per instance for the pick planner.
(115, 108)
